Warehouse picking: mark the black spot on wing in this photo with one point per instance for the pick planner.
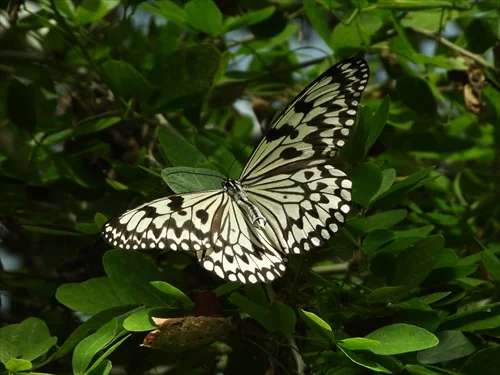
(308, 174)
(176, 202)
(202, 215)
(290, 153)
(277, 133)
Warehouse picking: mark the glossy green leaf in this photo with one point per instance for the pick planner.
(379, 121)
(366, 182)
(173, 292)
(204, 15)
(247, 19)
(358, 343)
(284, 317)
(401, 338)
(132, 272)
(317, 325)
(260, 314)
(452, 345)
(318, 19)
(415, 263)
(484, 362)
(179, 151)
(15, 365)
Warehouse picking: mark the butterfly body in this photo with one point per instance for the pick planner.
(238, 194)
(290, 198)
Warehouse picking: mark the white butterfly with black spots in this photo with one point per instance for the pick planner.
(289, 198)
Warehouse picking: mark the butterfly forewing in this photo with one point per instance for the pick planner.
(289, 179)
(314, 126)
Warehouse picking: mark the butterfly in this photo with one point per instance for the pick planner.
(289, 198)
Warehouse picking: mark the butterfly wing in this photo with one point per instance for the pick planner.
(304, 208)
(198, 222)
(289, 176)
(314, 126)
(177, 222)
(240, 251)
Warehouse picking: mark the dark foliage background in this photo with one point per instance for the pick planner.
(100, 98)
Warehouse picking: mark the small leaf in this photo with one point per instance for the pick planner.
(104, 368)
(409, 88)
(401, 338)
(318, 20)
(484, 362)
(368, 360)
(317, 325)
(91, 345)
(284, 317)
(492, 264)
(173, 292)
(452, 345)
(247, 19)
(204, 15)
(379, 121)
(30, 339)
(407, 184)
(186, 179)
(132, 272)
(93, 10)
(170, 11)
(66, 8)
(382, 220)
(226, 288)
(18, 365)
(125, 81)
(366, 182)
(100, 220)
(358, 343)
(141, 320)
(93, 296)
(260, 314)
(179, 151)
(387, 294)
(388, 177)
(415, 263)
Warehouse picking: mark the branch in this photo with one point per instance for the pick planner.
(462, 51)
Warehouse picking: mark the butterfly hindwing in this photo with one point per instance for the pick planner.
(304, 208)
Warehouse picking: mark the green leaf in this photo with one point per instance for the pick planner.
(353, 151)
(183, 77)
(204, 15)
(170, 11)
(368, 360)
(409, 88)
(434, 297)
(141, 320)
(260, 314)
(28, 340)
(318, 20)
(125, 81)
(93, 323)
(94, 295)
(226, 288)
(379, 121)
(387, 294)
(407, 184)
(358, 343)
(91, 345)
(100, 220)
(173, 292)
(186, 179)
(317, 325)
(7, 350)
(179, 151)
(366, 182)
(89, 127)
(376, 239)
(415, 263)
(107, 353)
(401, 338)
(382, 220)
(452, 345)
(247, 19)
(284, 317)
(492, 264)
(93, 10)
(104, 368)
(131, 271)
(18, 365)
(66, 8)
(484, 362)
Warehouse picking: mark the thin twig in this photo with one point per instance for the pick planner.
(462, 51)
